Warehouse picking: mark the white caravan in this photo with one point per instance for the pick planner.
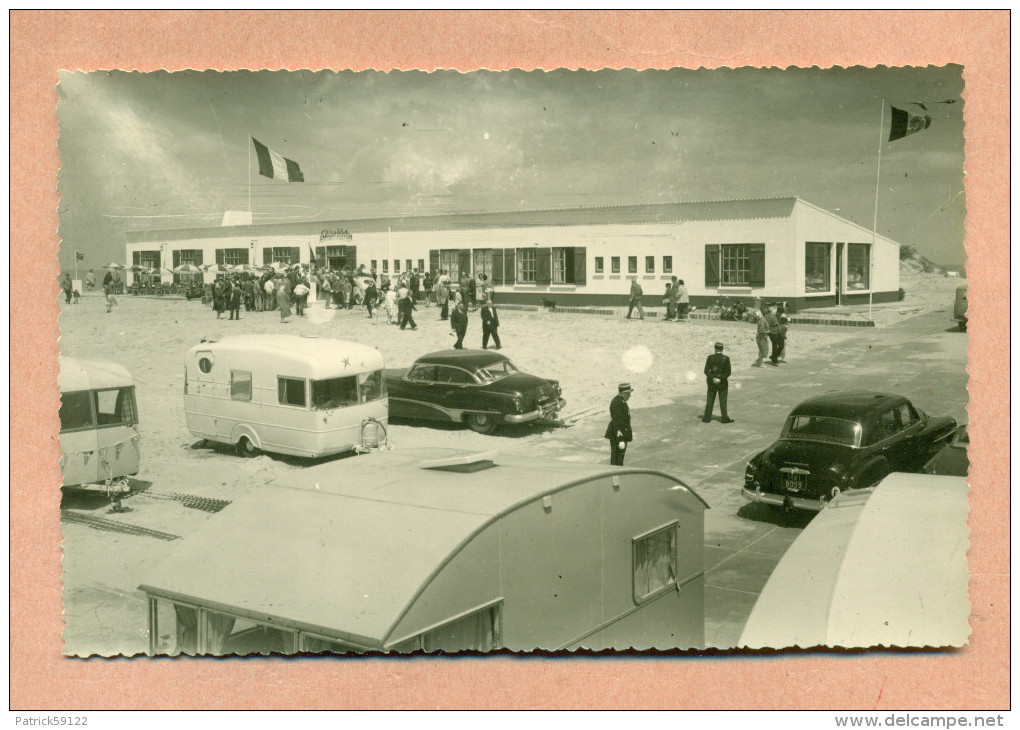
(299, 395)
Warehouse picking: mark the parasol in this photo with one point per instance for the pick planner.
(118, 267)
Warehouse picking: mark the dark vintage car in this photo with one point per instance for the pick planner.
(840, 441)
(479, 387)
(951, 459)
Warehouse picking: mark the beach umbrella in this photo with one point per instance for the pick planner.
(186, 269)
(138, 269)
(244, 269)
(119, 267)
(277, 267)
(216, 268)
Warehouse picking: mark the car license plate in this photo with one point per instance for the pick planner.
(794, 479)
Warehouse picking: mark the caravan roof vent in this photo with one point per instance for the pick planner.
(465, 463)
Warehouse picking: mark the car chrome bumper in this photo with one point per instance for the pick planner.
(537, 413)
(815, 505)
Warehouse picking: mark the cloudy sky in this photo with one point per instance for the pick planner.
(169, 150)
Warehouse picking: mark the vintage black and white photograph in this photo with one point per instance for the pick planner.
(560, 360)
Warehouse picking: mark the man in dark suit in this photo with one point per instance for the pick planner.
(618, 431)
(717, 371)
(490, 325)
(459, 323)
(412, 285)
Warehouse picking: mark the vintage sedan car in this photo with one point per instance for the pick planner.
(841, 441)
(480, 387)
(951, 459)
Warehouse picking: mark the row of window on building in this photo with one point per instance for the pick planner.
(739, 264)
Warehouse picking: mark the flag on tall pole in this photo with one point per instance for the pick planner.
(904, 123)
(79, 256)
(274, 165)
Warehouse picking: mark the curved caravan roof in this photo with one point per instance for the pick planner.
(345, 548)
(886, 567)
(76, 374)
(321, 356)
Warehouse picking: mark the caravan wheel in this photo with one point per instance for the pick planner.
(246, 448)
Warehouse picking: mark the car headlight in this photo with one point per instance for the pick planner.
(517, 401)
(749, 473)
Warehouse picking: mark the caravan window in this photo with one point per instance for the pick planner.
(654, 562)
(75, 411)
(292, 391)
(373, 387)
(240, 385)
(479, 631)
(115, 407)
(334, 393)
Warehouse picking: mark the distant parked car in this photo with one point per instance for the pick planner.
(482, 388)
(960, 308)
(951, 459)
(841, 441)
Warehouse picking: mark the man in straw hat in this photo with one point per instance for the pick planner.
(618, 431)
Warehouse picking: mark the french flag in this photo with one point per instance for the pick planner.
(274, 165)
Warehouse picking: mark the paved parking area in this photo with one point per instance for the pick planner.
(923, 358)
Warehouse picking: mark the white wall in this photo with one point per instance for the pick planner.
(816, 224)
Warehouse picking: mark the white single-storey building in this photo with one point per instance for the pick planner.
(775, 248)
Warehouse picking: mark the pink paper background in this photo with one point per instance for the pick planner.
(42, 42)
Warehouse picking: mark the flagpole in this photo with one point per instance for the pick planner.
(874, 222)
(251, 217)
(76, 264)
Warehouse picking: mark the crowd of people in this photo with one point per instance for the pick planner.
(287, 290)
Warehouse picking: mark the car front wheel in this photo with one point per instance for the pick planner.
(482, 422)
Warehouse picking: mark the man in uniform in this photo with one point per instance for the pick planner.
(717, 371)
(618, 431)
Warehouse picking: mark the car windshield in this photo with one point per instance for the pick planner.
(496, 371)
(822, 428)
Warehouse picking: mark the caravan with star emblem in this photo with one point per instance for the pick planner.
(298, 395)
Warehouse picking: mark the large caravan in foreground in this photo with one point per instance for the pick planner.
(439, 549)
(297, 395)
(98, 426)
